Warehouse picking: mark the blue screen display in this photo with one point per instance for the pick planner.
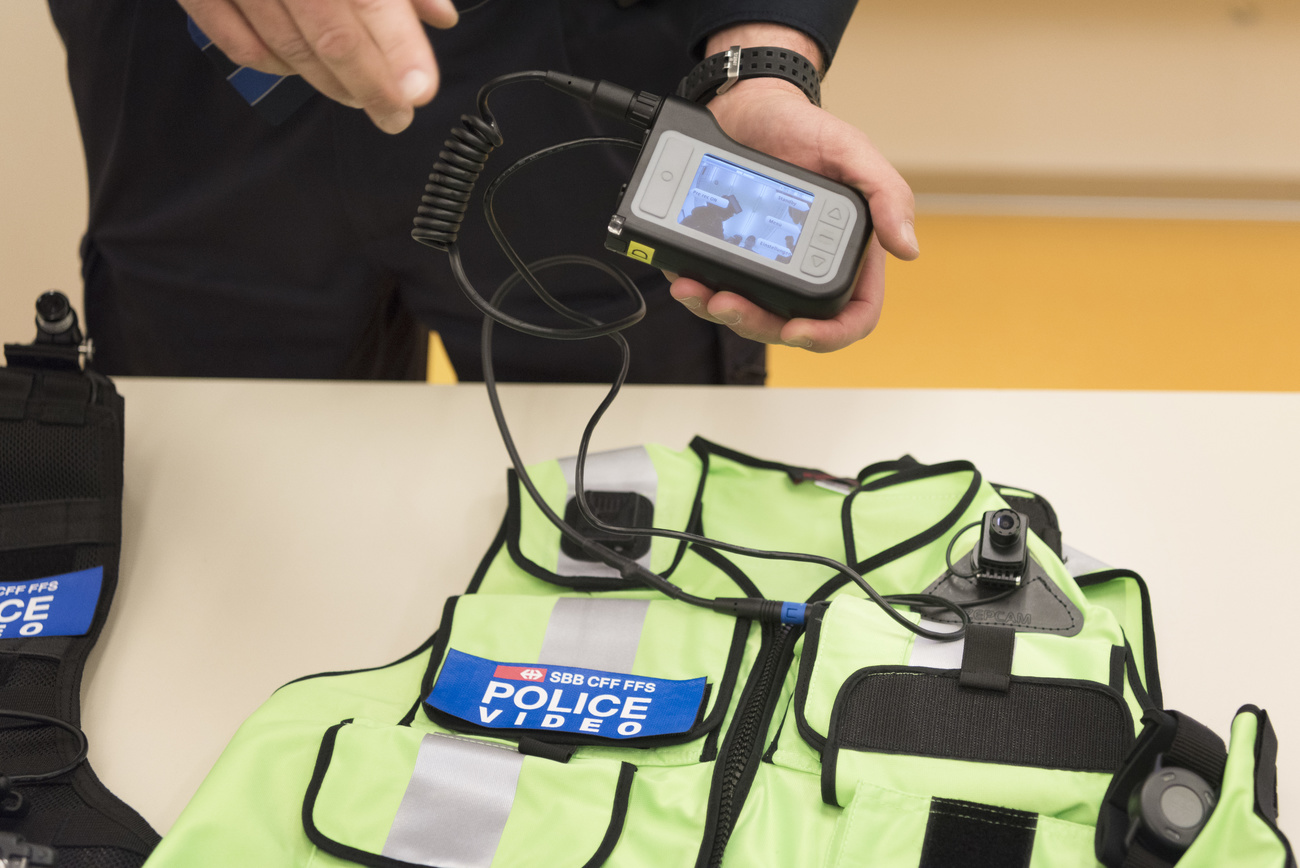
(744, 208)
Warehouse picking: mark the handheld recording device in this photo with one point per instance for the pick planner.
(704, 206)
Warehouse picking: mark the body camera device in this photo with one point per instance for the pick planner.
(704, 206)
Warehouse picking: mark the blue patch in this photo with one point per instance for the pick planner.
(542, 698)
(61, 605)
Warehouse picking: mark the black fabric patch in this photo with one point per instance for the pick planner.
(986, 657)
(617, 508)
(1038, 606)
(971, 835)
(1039, 722)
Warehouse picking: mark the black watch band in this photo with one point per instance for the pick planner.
(717, 73)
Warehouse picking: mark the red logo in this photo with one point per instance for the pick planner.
(521, 673)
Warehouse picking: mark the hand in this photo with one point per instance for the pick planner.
(369, 54)
(774, 116)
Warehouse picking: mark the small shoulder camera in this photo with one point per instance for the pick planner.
(1003, 551)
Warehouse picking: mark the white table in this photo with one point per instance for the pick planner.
(274, 530)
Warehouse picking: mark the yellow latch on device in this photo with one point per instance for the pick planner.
(641, 252)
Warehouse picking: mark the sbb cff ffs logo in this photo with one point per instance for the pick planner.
(521, 673)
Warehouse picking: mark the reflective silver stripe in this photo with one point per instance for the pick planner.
(594, 634)
(1080, 564)
(933, 654)
(627, 469)
(456, 805)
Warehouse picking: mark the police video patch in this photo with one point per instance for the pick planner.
(62, 605)
(542, 697)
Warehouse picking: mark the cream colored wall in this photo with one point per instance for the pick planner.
(1176, 97)
(1196, 89)
(42, 177)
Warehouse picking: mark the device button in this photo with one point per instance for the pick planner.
(816, 263)
(836, 214)
(826, 237)
(663, 180)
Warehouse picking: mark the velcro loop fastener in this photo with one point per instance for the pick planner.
(59, 522)
(986, 658)
(15, 388)
(66, 397)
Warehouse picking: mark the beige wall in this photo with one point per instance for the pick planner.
(1181, 97)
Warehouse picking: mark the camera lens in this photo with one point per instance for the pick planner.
(1004, 528)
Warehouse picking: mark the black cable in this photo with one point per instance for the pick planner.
(947, 556)
(440, 215)
(83, 746)
(12, 803)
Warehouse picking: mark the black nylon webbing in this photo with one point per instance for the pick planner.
(1198, 749)
(970, 835)
(986, 657)
(59, 522)
(1058, 725)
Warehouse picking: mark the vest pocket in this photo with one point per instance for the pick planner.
(880, 826)
(391, 796)
(616, 672)
(1014, 721)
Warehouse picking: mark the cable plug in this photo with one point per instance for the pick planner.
(772, 611)
(637, 108)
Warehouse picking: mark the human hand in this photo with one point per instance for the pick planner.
(774, 116)
(368, 54)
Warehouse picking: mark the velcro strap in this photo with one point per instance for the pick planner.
(1195, 747)
(986, 659)
(66, 398)
(34, 700)
(15, 387)
(1077, 726)
(971, 835)
(59, 522)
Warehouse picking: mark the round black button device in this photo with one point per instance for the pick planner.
(1171, 807)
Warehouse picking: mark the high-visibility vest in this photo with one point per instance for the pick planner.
(560, 715)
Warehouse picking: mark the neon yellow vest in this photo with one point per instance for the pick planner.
(845, 742)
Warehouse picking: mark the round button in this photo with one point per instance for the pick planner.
(1182, 806)
(666, 175)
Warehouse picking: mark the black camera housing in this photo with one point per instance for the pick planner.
(792, 287)
(1003, 551)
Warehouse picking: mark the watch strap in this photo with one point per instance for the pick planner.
(718, 72)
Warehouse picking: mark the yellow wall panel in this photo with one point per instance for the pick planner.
(1079, 303)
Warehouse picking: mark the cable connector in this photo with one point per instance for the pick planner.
(771, 611)
(637, 108)
(16, 852)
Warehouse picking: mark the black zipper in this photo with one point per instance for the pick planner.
(745, 738)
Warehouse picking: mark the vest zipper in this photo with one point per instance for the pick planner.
(742, 754)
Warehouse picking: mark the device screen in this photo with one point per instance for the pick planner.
(744, 208)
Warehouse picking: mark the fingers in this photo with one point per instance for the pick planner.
(225, 25)
(857, 320)
(372, 54)
(437, 13)
(777, 119)
(856, 161)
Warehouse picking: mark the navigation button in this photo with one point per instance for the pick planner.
(662, 181)
(826, 237)
(836, 214)
(816, 264)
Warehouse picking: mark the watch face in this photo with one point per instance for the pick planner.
(745, 208)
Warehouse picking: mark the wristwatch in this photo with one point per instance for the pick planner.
(717, 73)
